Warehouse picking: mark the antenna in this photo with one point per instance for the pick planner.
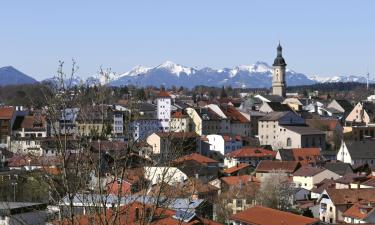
(368, 80)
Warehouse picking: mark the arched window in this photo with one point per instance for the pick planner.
(288, 142)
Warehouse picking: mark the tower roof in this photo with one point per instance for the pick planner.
(279, 60)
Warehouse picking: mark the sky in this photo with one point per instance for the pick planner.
(320, 37)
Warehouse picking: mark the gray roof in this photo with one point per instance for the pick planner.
(273, 116)
(340, 168)
(361, 149)
(96, 199)
(345, 104)
(303, 130)
(18, 205)
(277, 106)
(286, 154)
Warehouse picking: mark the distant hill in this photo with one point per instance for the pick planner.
(11, 76)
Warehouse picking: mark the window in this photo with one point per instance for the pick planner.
(239, 203)
(330, 209)
(288, 142)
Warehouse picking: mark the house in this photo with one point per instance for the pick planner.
(307, 176)
(357, 152)
(269, 126)
(266, 168)
(268, 107)
(293, 103)
(180, 122)
(168, 175)
(207, 121)
(31, 126)
(248, 155)
(318, 188)
(224, 143)
(334, 202)
(239, 124)
(163, 110)
(306, 156)
(299, 137)
(338, 167)
(26, 145)
(142, 127)
(241, 168)
(341, 105)
(198, 166)
(238, 192)
(331, 128)
(8, 115)
(360, 213)
(266, 216)
(66, 124)
(176, 143)
(362, 114)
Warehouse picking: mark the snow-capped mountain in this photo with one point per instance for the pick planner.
(258, 75)
(11, 76)
(345, 79)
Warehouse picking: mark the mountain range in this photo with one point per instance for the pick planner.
(11, 76)
(257, 75)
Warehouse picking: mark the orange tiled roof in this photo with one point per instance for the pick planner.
(306, 155)
(179, 115)
(350, 196)
(234, 115)
(251, 152)
(6, 113)
(164, 94)
(236, 168)
(236, 180)
(359, 211)
(266, 216)
(197, 158)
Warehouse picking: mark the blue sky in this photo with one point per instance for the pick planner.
(319, 37)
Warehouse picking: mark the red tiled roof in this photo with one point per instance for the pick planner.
(234, 115)
(286, 166)
(306, 155)
(308, 171)
(127, 215)
(266, 216)
(251, 152)
(6, 113)
(179, 115)
(236, 168)
(369, 182)
(236, 180)
(197, 158)
(230, 138)
(164, 94)
(359, 211)
(350, 196)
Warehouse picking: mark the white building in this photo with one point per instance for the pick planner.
(224, 143)
(168, 175)
(163, 109)
(306, 176)
(357, 152)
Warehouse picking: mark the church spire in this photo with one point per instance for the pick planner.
(279, 60)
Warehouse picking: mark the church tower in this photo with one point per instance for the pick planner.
(278, 79)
